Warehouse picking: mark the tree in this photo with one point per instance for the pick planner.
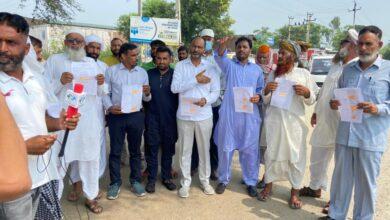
(53, 10)
(261, 37)
(199, 14)
(158, 8)
(195, 16)
(386, 52)
(335, 24)
(123, 24)
(317, 33)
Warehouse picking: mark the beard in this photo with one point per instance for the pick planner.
(368, 58)
(75, 54)
(94, 56)
(10, 63)
(115, 53)
(285, 67)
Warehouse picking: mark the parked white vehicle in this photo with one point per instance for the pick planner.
(319, 67)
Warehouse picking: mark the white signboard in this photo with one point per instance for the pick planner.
(146, 29)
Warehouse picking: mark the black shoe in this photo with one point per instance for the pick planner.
(325, 218)
(252, 191)
(150, 187)
(169, 185)
(213, 176)
(220, 188)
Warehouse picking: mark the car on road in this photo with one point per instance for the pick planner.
(319, 67)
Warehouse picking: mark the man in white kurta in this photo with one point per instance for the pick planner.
(84, 144)
(93, 46)
(285, 157)
(326, 121)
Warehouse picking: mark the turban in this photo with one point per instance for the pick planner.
(264, 48)
(290, 46)
(94, 39)
(304, 45)
(74, 31)
(353, 35)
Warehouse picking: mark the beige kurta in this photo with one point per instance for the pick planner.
(286, 133)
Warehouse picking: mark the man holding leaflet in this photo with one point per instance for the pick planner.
(360, 146)
(285, 157)
(198, 85)
(83, 146)
(238, 127)
(128, 85)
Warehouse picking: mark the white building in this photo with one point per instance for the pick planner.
(52, 35)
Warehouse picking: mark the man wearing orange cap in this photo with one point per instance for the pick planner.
(264, 60)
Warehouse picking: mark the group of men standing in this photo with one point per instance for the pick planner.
(193, 105)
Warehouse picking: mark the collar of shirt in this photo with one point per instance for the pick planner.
(27, 74)
(238, 62)
(123, 67)
(377, 64)
(189, 62)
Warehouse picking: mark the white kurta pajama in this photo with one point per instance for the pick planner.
(84, 143)
(74, 174)
(285, 157)
(323, 138)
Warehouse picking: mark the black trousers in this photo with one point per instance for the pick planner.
(119, 126)
(213, 147)
(158, 135)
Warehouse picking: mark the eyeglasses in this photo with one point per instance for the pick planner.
(74, 41)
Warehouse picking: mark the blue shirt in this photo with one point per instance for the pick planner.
(238, 130)
(374, 83)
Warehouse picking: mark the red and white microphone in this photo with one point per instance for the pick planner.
(74, 99)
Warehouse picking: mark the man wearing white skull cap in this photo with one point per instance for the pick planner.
(82, 150)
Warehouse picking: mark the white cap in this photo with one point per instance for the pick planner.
(74, 31)
(353, 35)
(95, 39)
(207, 32)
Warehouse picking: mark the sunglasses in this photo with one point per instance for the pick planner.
(74, 41)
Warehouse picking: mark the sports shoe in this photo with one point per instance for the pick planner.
(138, 189)
(208, 190)
(184, 192)
(113, 191)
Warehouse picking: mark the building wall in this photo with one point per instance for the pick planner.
(52, 36)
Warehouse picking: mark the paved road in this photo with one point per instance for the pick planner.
(233, 204)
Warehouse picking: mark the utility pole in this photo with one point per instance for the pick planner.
(178, 15)
(354, 10)
(140, 8)
(290, 18)
(308, 20)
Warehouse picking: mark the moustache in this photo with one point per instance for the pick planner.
(3, 56)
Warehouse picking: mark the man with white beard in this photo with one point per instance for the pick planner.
(360, 146)
(83, 147)
(326, 120)
(93, 46)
